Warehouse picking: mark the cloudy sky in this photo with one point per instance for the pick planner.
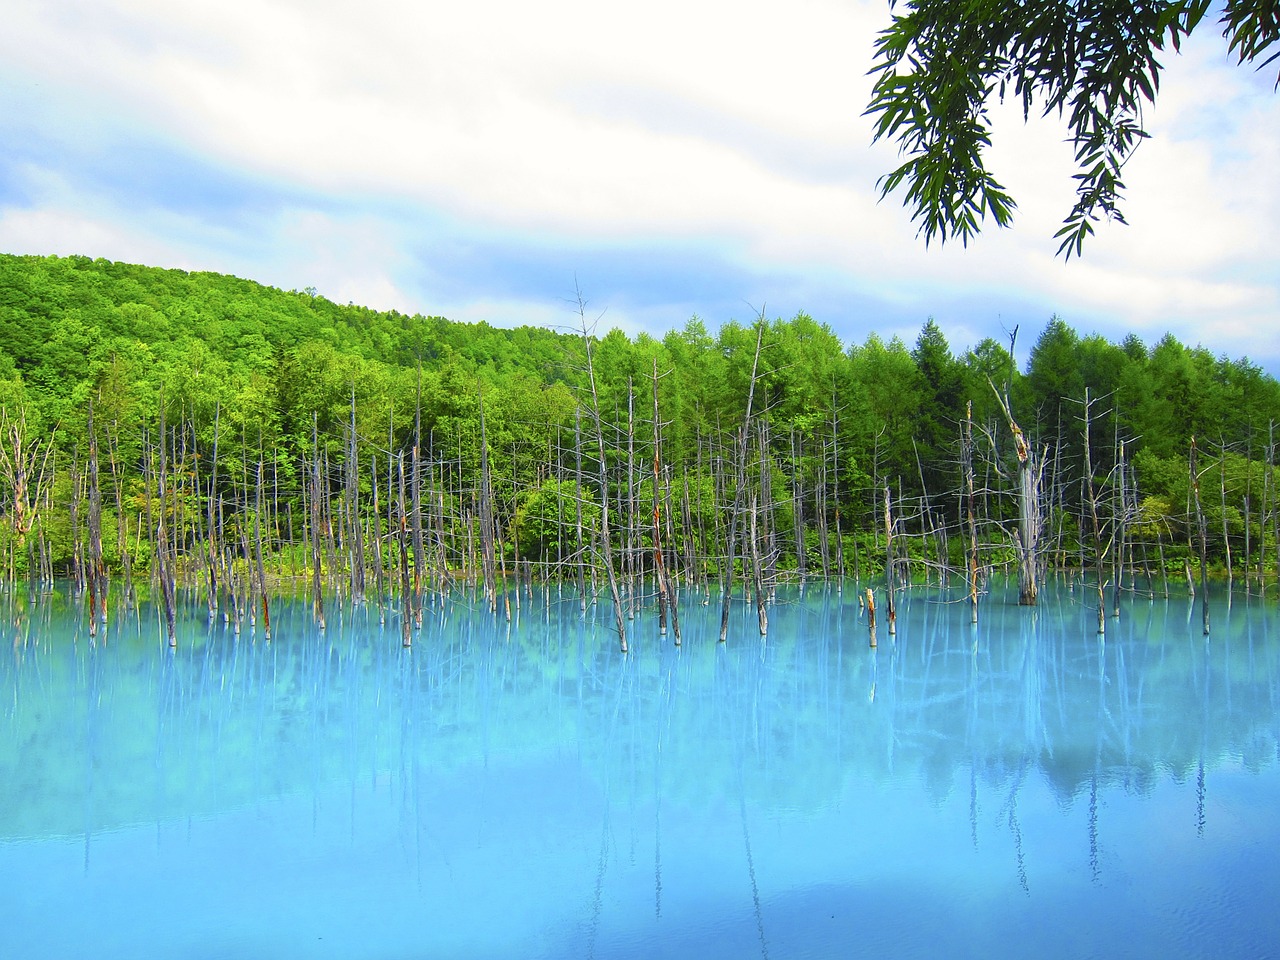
(476, 160)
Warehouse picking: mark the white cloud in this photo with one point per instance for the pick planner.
(67, 233)
(732, 129)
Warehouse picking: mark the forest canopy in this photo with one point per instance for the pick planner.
(260, 375)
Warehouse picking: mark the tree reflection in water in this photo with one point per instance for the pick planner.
(524, 787)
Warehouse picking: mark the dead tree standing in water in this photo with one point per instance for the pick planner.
(890, 567)
(970, 518)
(164, 561)
(666, 596)
(1099, 548)
(1202, 538)
(317, 583)
(606, 543)
(24, 468)
(96, 568)
(1030, 520)
(355, 534)
(744, 434)
(487, 558)
(257, 550)
(406, 588)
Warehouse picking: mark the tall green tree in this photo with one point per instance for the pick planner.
(1055, 382)
(941, 407)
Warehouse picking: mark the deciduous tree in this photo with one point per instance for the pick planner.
(940, 64)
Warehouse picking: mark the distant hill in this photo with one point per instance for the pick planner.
(229, 366)
(62, 316)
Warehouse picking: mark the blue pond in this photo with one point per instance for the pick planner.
(1019, 788)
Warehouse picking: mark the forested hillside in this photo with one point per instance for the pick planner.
(220, 406)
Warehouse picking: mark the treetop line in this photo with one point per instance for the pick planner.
(200, 430)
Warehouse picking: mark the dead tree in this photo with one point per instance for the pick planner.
(213, 552)
(487, 558)
(257, 549)
(835, 494)
(666, 596)
(890, 567)
(406, 588)
(1202, 537)
(164, 560)
(970, 518)
(1100, 549)
(24, 468)
(122, 517)
(744, 434)
(355, 534)
(415, 491)
(1030, 518)
(606, 543)
(317, 581)
(762, 582)
(97, 569)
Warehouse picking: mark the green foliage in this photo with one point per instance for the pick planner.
(939, 64)
(547, 522)
(254, 371)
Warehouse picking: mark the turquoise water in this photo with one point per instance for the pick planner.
(522, 790)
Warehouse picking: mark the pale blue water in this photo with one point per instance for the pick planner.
(523, 790)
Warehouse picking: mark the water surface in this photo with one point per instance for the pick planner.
(1018, 788)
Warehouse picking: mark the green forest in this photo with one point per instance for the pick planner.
(183, 427)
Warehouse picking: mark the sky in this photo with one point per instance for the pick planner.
(488, 160)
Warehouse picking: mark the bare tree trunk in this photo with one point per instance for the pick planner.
(1202, 538)
(246, 552)
(1098, 548)
(890, 567)
(97, 570)
(820, 508)
(577, 452)
(1119, 525)
(122, 519)
(415, 479)
(375, 540)
(212, 550)
(871, 616)
(673, 590)
(442, 548)
(665, 595)
(162, 533)
(631, 557)
(1030, 474)
(332, 531)
(970, 518)
(486, 519)
(257, 549)
(77, 548)
(757, 567)
(355, 535)
(835, 488)
(927, 530)
(744, 434)
(762, 582)
(317, 582)
(1275, 506)
(690, 535)
(606, 543)
(1226, 532)
(24, 468)
(406, 587)
(797, 495)
(769, 536)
